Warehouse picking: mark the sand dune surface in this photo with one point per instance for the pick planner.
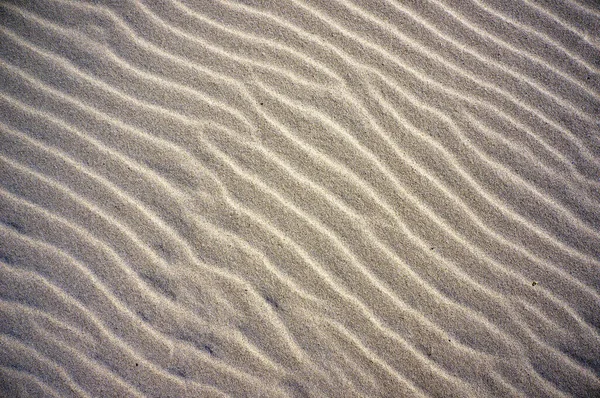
(300, 198)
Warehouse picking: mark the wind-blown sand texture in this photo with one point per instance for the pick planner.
(329, 198)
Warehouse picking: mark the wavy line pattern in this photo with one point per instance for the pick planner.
(299, 198)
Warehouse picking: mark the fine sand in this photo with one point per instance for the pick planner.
(300, 198)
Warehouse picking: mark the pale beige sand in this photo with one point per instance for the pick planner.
(329, 198)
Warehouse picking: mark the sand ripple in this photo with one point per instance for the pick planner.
(299, 198)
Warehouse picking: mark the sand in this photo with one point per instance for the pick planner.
(298, 198)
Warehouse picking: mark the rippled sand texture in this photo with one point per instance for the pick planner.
(327, 198)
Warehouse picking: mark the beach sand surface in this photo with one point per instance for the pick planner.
(300, 198)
